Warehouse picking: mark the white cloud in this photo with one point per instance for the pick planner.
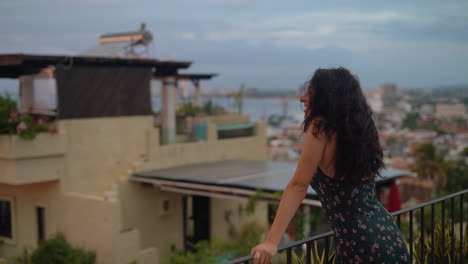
(343, 28)
(189, 36)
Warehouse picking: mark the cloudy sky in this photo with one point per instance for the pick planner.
(264, 44)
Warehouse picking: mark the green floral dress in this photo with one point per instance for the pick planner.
(365, 232)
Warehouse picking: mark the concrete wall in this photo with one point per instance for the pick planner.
(101, 150)
(250, 148)
(31, 161)
(142, 209)
(222, 120)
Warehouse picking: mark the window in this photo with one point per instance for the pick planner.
(40, 212)
(5, 219)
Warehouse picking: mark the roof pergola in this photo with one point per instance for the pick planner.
(195, 79)
(15, 65)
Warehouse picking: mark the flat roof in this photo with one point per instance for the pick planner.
(241, 174)
(14, 65)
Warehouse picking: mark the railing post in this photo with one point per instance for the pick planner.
(443, 229)
(452, 231)
(308, 249)
(288, 256)
(411, 235)
(326, 250)
(461, 230)
(432, 233)
(423, 244)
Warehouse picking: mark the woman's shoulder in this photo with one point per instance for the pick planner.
(317, 127)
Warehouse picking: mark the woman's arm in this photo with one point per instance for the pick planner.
(295, 192)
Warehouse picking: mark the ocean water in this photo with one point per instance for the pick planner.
(257, 108)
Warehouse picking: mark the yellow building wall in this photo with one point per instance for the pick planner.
(142, 209)
(77, 217)
(227, 215)
(249, 148)
(87, 221)
(101, 150)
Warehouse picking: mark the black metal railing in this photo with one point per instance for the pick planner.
(436, 242)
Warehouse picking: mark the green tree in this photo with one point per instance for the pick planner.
(465, 153)
(457, 177)
(411, 121)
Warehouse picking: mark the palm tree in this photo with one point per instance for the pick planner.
(239, 99)
(429, 164)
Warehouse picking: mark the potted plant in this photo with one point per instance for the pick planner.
(12, 122)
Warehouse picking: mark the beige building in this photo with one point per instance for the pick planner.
(450, 111)
(82, 180)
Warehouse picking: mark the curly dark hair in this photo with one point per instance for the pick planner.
(338, 108)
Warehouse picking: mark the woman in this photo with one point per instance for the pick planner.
(340, 160)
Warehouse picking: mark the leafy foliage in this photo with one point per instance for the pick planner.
(188, 109)
(219, 250)
(411, 121)
(317, 255)
(465, 152)
(57, 250)
(213, 109)
(250, 207)
(441, 251)
(457, 177)
(13, 122)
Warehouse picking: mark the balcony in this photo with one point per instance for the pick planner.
(211, 147)
(31, 161)
(441, 223)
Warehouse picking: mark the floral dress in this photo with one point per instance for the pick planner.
(365, 232)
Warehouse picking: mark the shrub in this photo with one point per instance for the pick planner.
(57, 250)
(219, 250)
(188, 109)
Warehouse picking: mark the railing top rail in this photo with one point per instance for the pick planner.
(294, 244)
(429, 202)
(305, 240)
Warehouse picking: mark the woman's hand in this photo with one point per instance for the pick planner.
(264, 253)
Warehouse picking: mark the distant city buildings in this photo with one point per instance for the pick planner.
(450, 111)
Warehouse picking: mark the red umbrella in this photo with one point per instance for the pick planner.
(393, 202)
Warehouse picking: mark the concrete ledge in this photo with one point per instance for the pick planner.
(32, 161)
(45, 144)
